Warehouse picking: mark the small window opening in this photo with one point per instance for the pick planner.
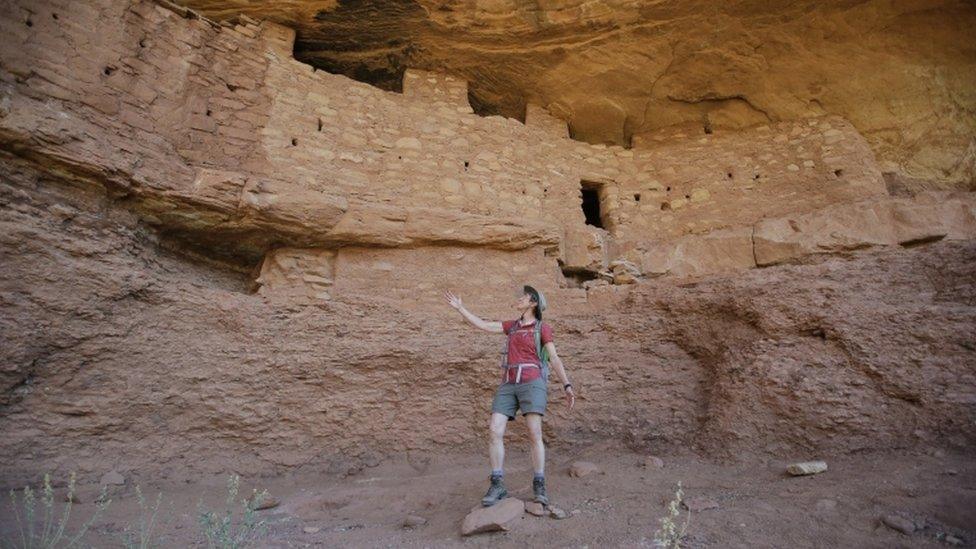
(665, 206)
(637, 197)
(728, 175)
(294, 142)
(209, 112)
(29, 23)
(320, 124)
(54, 15)
(466, 165)
(838, 173)
(669, 189)
(108, 71)
(755, 177)
(592, 210)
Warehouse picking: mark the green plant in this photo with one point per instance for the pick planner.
(147, 520)
(46, 531)
(222, 531)
(669, 536)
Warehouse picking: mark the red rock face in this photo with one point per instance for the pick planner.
(212, 253)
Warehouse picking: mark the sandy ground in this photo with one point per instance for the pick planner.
(759, 505)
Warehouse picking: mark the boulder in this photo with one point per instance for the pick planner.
(267, 502)
(492, 519)
(580, 469)
(806, 468)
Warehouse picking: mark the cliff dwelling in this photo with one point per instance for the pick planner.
(237, 236)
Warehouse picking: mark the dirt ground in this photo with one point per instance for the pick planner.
(759, 505)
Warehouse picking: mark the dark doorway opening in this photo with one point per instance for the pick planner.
(592, 209)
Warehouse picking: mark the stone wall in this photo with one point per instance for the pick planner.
(218, 136)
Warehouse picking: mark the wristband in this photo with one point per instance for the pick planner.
(567, 386)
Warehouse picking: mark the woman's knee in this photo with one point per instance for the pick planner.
(535, 430)
(496, 431)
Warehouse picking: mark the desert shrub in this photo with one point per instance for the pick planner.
(669, 535)
(147, 521)
(38, 525)
(223, 529)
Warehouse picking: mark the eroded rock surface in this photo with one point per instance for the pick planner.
(213, 256)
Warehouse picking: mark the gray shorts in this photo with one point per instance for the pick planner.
(529, 397)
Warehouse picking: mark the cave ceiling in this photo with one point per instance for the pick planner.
(904, 72)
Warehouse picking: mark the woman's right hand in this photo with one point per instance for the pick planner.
(454, 300)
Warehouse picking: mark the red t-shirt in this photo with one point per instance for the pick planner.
(521, 349)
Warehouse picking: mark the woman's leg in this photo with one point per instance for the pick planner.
(534, 421)
(496, 443)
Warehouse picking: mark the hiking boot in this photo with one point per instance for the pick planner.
(539, 490)
(496, 492)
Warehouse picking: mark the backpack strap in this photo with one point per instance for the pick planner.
(540, 352)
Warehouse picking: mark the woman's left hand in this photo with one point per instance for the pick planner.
(570, 398)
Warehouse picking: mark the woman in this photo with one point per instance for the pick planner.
(523, 387)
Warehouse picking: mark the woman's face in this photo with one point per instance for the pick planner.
(524, 302)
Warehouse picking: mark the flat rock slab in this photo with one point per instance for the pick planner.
(414, 521)
(699, 503)
(899, 523)
(580, 469)
(494, 518)
(113, 478)
(267, 502)
(653, 462)
(535, 508)
(807, 468)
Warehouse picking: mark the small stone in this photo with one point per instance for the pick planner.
(494, 518)
(698, 504)
(793, 168)
(953, 540)
(939, 454)
(113, 478)
(414, 521)
(807, 468)
(535, 508)
(808, 164)
(826, 505)
(559, 514)
(267, 502)
(311, 529)
(580, 469)
(653, 462)
(902, 524)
